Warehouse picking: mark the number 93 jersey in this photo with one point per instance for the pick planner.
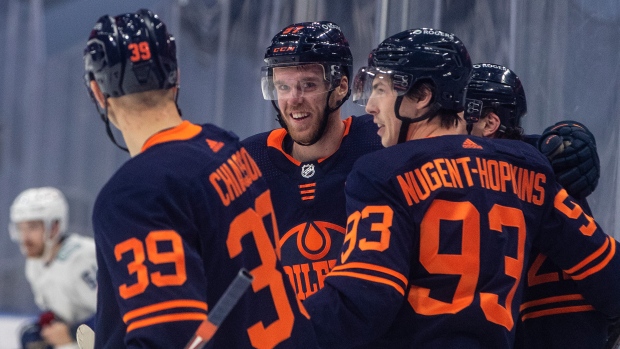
(173, 227)
(438, 233)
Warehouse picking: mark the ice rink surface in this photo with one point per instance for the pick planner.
(9, 330)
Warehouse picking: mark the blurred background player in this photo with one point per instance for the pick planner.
(178, 221)
(438, 234)
(60, 267)
(553, 313)
(307, 79)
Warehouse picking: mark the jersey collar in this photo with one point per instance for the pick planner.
(276, 139)
(184, 131)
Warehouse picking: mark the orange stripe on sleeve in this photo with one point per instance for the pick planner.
(368, 266)
(366, 277)
(307, 185)
(182, 303)
(166, 318)
(564, 310)
(549, 300)
(590, 258)
(599, 266)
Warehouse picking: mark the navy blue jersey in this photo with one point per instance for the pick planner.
(438, 236)
(554, 314)
(309, 199)
(173, 227)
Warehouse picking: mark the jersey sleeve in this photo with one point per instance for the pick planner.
(157, 277)
(365, 290)
(85, 274)
(575, 242)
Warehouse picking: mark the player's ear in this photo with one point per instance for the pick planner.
(54, 229)
(425, 99)
(491, 124)
(99, 97)
(343, 87)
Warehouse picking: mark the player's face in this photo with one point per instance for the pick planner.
(302, 96)
(32, 237)
(381, 105)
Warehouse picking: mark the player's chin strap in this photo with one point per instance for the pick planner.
(106, 121)
(404, 126)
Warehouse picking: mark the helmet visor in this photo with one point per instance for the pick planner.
(294, 81)
(375, 82)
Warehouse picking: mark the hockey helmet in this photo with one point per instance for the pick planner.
(419, 55)
(130, 53)
(499, 88)
(47, 204)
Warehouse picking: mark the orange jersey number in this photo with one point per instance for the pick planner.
(382, 227)
(140, 51)
(467, 264)
(136, 266)
(574, 213)
(266, 276)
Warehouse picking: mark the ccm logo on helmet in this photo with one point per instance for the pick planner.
(284, 49)
(434, 32)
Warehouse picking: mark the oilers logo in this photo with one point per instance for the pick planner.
(309, 251)
(307, 170)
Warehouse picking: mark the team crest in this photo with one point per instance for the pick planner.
(307, 171)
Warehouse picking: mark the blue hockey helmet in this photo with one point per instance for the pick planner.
(415, 55)
(130, 53)
(499, 88)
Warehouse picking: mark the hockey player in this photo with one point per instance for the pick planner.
(553, 313)
(60, 267)
(179, 220)
(307, 78)
(441, 225)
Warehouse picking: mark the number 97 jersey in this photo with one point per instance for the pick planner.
(173, 227)
(438, 233)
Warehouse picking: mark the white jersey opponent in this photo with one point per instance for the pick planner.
(67, 286)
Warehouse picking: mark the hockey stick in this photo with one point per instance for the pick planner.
(85, 337)
(220, 311)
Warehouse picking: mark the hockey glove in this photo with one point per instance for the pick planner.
(571, 149)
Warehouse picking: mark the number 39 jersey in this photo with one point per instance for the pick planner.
(438, 234)
(173, 227)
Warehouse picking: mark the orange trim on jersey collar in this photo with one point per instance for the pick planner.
(276, 138)
(184, 131)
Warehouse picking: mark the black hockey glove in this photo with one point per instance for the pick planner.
(571, 149)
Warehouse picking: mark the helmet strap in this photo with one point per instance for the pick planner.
(278, 115)
(50, 242)
(406, 121)
(106, 121)
(176, 99)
